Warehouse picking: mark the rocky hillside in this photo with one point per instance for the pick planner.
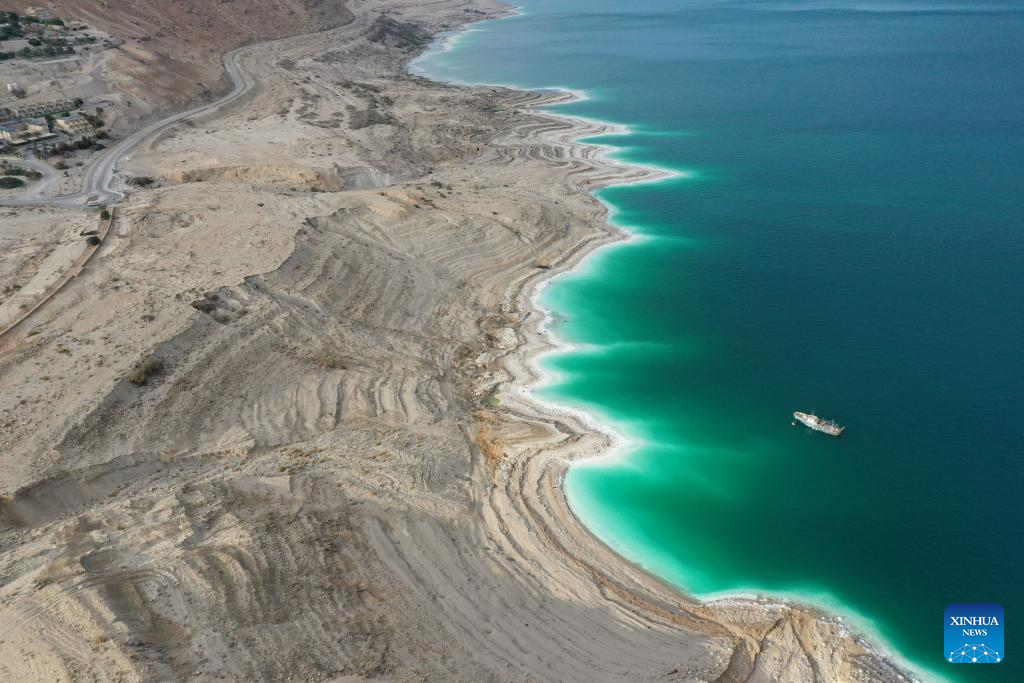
(186, 29)
(170, 55)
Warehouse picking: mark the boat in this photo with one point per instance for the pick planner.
(819, 424)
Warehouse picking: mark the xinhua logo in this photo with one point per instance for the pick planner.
(973, 633)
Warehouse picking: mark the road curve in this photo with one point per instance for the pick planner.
(37, 189)
(99, 177)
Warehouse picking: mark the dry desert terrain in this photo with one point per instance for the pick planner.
(275, 427)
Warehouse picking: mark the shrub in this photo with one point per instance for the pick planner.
(8, 183)
(142, 372)
(104, 214)
(404, 34)
(491, 399)
(23, 172)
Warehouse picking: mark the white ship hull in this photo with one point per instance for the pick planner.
(818, 424)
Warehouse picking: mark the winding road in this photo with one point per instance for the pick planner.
(40, 188)
(99, 177)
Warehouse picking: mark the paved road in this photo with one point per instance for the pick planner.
(38, 189)
(99, 177)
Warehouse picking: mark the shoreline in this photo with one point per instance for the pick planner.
(332, 282)
(538, 341)
(543, 343)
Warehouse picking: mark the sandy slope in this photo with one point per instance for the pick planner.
(317, 486)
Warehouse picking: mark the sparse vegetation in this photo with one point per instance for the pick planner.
(141, 373)
(20, 171)
(398, 33)
(331, 362)
(52, 48)
(373, 115)
(12, 26)
(490, 399)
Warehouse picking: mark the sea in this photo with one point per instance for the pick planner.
(844, 235)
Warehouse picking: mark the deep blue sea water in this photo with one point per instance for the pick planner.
(848, 238)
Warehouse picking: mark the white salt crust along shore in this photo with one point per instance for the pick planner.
(333, 272)
(527, 374)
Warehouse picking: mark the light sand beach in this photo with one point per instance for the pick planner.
(330, 470)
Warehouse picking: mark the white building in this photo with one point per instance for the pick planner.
(75, 124)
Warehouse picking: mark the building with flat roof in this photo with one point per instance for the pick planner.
(26, 111)
(75, 124)
(26, 132)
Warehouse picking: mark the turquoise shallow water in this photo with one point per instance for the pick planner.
(847, 239)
